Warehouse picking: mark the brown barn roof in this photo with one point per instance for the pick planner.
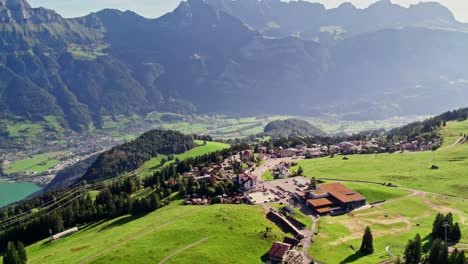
(341, 192)
(321, 202)
(278, 250)
(323, 210)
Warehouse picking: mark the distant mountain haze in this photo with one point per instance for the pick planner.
(212, 57)
(156, 8)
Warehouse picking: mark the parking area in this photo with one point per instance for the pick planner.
(291, 185)
(278, 191)
(262, 197)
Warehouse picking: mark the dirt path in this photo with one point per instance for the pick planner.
(138, 235)
(309, 240)
(183, 249)
(455, 143)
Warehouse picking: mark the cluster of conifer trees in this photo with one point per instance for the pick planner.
(130, 156)
(435, 250)
(15, 254)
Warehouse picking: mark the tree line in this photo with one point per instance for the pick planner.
(130, 156)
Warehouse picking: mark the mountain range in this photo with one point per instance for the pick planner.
(224, 56)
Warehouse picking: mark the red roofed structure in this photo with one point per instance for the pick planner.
(340, 199)
(342, 193)
(279, 251)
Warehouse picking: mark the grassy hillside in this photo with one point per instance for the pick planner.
(216, 234)
(409, 170)
(202, 149)
(392, 223)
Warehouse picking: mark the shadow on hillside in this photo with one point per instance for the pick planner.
(122, 221)
(352, 258)
(264, 258)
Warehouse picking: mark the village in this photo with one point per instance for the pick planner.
(289, 190)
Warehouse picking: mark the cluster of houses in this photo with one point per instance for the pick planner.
(353, 147)
(330, 199)
(245, 180)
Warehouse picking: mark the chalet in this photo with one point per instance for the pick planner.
(281, 171)
(279, 252)
(246, 155)
(247, 181)
(334, 198)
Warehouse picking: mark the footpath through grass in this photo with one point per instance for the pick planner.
(233, 234)
(410, 170)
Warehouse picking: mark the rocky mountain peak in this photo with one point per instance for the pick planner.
(14, 10)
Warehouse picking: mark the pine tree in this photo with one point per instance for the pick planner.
(300, 171)
(11, 255)
(453, 256)
(461, 259)
(22, 253)
(367, 246)
(455, 234)
(437, 228)
(438, 253)
(413, 251)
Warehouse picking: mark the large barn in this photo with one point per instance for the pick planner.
(335, 198)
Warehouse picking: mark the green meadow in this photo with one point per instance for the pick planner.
(176, 233)
(409, 170)
(203, 148)
(37, 163)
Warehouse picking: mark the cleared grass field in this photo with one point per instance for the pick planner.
(208, 234)
(153, 164)
(411, 170)
(38, 163)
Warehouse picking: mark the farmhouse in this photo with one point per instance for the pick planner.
(334, 198)
(279, 252)
(247, 181)
(281, 171)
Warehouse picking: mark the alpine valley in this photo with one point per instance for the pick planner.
(223, 56)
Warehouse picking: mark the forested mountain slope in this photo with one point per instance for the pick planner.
(205, 57)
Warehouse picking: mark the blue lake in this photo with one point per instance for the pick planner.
(15, 191)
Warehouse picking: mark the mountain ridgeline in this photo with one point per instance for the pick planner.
(210, 56)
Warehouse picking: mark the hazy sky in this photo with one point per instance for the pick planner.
(156, 8)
